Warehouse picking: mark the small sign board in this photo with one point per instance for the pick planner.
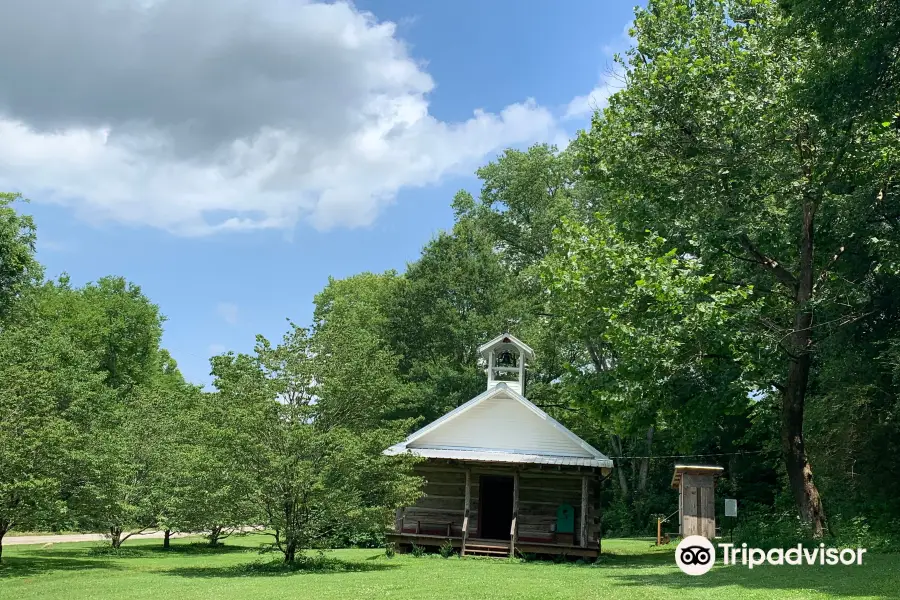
(730, 507)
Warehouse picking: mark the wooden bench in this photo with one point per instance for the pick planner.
(439, 526)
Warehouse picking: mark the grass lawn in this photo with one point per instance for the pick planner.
(628, 569)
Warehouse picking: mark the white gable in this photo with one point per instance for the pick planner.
(501, 423)
(499, 420)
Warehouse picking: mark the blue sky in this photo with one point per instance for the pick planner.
(233, 217)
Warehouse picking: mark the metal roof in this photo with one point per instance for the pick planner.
(698, 469)
(503, 457)
(506, 338)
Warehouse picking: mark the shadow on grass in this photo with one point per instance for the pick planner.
(317, 565)
(29, 566)
(636, 561)
(879, 578)
(158, 551)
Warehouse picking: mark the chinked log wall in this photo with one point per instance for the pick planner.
(540, 495)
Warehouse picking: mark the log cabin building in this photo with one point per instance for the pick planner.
(502, 476)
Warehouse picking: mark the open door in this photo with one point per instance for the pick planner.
(495, 507)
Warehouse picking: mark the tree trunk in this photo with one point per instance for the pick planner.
(166, 537)
(214, 535)
(620, 472)
(290, 552)
(799, 470)
(645, 463)
(3, 529)
(115, 535)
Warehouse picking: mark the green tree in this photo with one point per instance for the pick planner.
(714, 144)
(175, 425)
(312, 479)
(18, 267)
(457, 295)
(357, 378)
(217, 494)
(49, 391)
(113, 489)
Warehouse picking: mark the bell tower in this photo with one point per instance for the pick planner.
(506, 356)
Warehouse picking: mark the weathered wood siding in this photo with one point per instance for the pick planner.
(540, 495)
(698, 505)
(443, 500)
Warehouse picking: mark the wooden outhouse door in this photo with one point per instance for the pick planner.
(698, 505)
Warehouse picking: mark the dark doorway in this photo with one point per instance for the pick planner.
(495, 507)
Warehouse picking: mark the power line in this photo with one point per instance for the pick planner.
(695, 455)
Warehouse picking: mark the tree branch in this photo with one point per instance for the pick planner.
(782, 274)
(830, 264)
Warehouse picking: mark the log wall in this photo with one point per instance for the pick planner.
(540, 494)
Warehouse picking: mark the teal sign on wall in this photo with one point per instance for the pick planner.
(565, 519)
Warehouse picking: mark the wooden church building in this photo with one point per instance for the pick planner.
(502, 476)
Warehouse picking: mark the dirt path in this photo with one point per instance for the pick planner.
(12, 540)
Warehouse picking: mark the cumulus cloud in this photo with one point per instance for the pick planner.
(228, 311)
(216, 349)
(596, 99)
(211, 115)
(611, 81)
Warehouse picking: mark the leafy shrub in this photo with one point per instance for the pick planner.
(776, 529)
(418, 551)
(858, 532)
(390, 549)
(784, 529)
(446, 550)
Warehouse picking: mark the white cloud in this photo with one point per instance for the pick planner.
(216, 349)
(611, 80)
(211, 115)
(228, 311)
(596, 99)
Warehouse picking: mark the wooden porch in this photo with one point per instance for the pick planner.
(498, 548)
(467, 504)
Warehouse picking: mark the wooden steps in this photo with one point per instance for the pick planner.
(487, 550)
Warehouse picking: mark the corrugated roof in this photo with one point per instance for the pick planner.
(503, 457)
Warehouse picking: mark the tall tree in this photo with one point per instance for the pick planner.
(457, 295)
(358, 384)
(121, 329)
(49, 392)
(18, 267)
(714, 144)
(311, 478)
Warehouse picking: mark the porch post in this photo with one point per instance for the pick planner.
(514, 528)
(599, 518)
(584, 511)
(398, 520)
(465, 526)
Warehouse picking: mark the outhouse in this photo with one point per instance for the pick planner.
(696, 485)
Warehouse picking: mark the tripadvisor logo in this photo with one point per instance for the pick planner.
(696, 555)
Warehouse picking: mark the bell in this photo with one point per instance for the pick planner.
(506, 359)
